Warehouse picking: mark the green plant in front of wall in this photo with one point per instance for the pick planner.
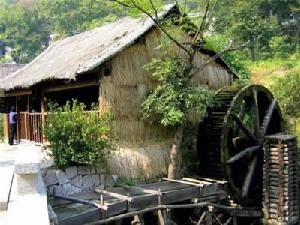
(174, 96)
(77, 136)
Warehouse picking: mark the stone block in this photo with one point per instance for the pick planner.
(95, 180)
(77, 181)
(58, 190)
(100, 169)
(26, 184)
(83, 170)
(108, 181)
(50, 178)
(61, 177)
(102, 179)
(87, 181)
(28, 161)
(69, 189)
(51, 189)
(71, 171)
(93, 170)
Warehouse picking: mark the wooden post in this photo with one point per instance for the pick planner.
(43, 109)
(137, 220)
(5, 128)
(18, 121)
(161, 213)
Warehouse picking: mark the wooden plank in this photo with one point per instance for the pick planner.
(180, 195)
(143, 201)
(115, 208)
(140, 189)
(184, 182)
(113, 194)
(43, 110)
(61, 87)
(5, 128)
(17, 93)
(246, 213)
(87, 216)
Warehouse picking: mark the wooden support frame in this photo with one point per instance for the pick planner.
(82, 84)
(17, 93)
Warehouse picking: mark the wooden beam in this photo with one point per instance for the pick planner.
(184, 182)
(61, 87)
(17, 93)
(43, 109)
(112, 194)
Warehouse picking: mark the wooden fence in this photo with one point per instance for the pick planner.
(30, 126)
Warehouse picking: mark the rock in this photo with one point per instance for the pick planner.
(102, 179)
(100, 169)
(71, 171)
(95, 180)
(83, 170)
(87, 181)
(50, 178)
(58, 190)
(51, 189)
(61, 176)
(68, 189)
(93, 170)
(77, 181)
(109, 181)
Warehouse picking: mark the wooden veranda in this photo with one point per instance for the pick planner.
(30, 126)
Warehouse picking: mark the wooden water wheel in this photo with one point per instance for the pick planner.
(230, 139)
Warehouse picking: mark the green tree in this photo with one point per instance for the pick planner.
(68, 17)
(23, 29)
(256, 21)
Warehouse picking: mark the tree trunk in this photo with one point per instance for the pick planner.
(175, 166)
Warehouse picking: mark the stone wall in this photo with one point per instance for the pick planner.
(74, 179)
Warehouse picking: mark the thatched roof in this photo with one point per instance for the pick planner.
(84, 52)
(81, 53)
(6, 69)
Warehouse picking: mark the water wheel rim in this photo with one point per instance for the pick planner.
(246, 91)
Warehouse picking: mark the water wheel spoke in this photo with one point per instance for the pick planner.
(268, 117)
(255, 110)
(249, 176)
(241, 116)
(243, 128)
(247, 152)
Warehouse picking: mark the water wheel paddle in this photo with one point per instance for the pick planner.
(230, 139)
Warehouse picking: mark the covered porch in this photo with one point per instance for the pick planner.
(31, 105)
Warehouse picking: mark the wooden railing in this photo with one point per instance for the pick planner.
(29, 126)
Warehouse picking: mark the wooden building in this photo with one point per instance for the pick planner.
(105, 65)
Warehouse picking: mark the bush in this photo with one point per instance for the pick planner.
(77, 136)
(287, 92)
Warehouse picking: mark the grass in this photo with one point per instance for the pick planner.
(264, 71)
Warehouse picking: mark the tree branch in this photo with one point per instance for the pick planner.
(157, 24)
(229, 48)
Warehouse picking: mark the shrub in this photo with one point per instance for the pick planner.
(77, 136)
(287, 92)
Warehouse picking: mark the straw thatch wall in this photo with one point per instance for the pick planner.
(143, 148)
